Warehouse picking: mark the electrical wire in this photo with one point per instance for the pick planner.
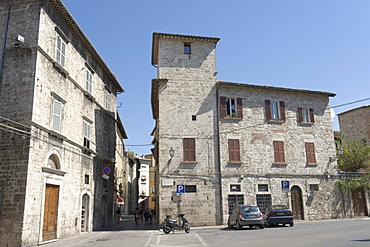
(349, 103)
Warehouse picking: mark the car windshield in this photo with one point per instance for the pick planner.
(249, 209)
(274, 207)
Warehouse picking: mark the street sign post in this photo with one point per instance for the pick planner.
(106, 170)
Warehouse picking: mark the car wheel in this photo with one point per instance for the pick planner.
(262, 226)
(238, 225)
(291, 223)
(269, 224)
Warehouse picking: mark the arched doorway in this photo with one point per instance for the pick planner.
(297, 205)
(85, 213)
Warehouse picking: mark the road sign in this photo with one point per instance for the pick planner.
(180, 188)
(285, 186)
(106, 170)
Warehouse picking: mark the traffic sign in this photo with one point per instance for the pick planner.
(180, 188)
(106, 170)
(285, 186)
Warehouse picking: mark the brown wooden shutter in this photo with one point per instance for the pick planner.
(234, 150)
(268, 110)
(312, 116)
(282, 110)
(189, 149)
(310, 153)
(240, 107)
(279, 151)
(223, 107)
(300, 118)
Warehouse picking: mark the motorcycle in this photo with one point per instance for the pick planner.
(171, 224)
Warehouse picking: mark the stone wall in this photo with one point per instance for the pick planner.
(355, 124)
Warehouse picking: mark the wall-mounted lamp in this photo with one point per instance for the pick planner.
(172, 152)
(241, 176)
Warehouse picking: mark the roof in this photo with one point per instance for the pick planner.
(77, 31)
(355, 109)
(222, 83)
(157, 36)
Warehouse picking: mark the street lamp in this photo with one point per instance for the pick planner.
(172, 152)
(340, 151)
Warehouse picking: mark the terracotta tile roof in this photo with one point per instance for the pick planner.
(234, 84)
(79, 34)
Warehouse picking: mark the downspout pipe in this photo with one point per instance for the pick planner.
(221, 219)
(4, 42)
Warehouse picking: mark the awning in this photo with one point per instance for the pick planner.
(141, 200)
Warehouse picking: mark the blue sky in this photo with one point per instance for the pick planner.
(315, 45)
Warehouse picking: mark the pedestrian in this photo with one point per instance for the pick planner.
(141, 213)
(118, 215)
(150, 216)
(146, 216)
(137, 216)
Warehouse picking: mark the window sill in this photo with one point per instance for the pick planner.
(311, 164)
(235, 162)
(281, 165)
(233, 118)
(306, 123)
(89, 96)
(60, 69)
(57, 135)
(189, 162)
(279, 121)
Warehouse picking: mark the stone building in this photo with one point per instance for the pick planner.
(236, 143)
(57, 126)
(358, 129)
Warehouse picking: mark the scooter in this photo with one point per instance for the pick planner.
(171, 225)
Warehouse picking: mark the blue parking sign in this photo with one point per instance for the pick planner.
(285, 184)
(180, 188)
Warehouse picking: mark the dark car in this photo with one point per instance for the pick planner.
(246, 215)
(278, 214)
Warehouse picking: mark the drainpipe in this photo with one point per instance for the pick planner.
(4, 41)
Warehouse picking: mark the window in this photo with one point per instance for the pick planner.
(187, 49)
(235, 187)
(87, 179)
(231, 107)
(234, 150)
(306, 115)
(107, 100)
(279, 151)
(61, 51)
(263, 201)
(89, 81)
(310, 153)
(106, 145)
(235, 200)
(314, 187)
(275, 110)
(190, 188)
(189, 149)
(57, 116)
(263, 188)
(87, 131)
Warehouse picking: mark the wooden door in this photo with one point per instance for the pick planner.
(49, 230)
(359, 202)
(297, 206)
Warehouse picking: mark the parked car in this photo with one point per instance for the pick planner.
(278, 214)
(246, 215)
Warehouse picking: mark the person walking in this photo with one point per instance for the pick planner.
(137, 216)
(150, 216)
(146, 216)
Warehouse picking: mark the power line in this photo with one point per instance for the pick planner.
(353, 102)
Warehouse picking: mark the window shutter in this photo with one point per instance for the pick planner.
(268, 110)
(189, 149)
(223, 107)
(310, 153)
(234, 150)
(312, 116)
(282, 110)
(279, 151)
(300, 118)
(240, 107)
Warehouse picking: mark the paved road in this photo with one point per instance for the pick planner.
(331, 233)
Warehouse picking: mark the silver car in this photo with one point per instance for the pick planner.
(246, 215)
